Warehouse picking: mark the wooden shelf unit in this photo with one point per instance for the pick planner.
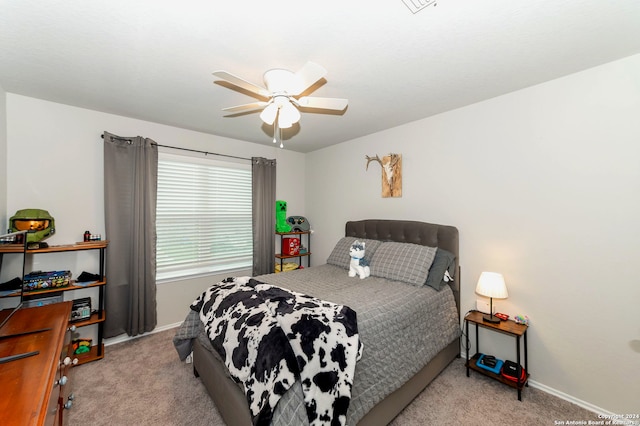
(299, 256)
(96, 353)
(508, 327)
(71, 286)
(96, 318)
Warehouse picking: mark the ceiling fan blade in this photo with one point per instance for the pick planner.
(242, 83)
(337, 104)
(246, 107)
(306, 77)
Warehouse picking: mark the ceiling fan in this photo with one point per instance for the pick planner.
(282, 95)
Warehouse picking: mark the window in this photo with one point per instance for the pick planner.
(203, 216)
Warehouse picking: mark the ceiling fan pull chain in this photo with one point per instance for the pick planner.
(275, 127)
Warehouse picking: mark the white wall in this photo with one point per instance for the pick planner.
(544, 186)
(55, 162)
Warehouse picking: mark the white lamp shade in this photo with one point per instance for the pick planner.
(268, 115)
(284, 124)
(289, 113)
(491, 284)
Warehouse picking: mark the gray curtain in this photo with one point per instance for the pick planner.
(263, 175)
(130, 186)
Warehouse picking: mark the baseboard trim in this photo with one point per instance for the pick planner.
(571, 399)
(125, 338)
(559, 394)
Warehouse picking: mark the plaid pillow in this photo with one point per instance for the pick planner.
(340, 254)
(404, 262)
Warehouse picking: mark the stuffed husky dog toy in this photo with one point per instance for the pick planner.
(358, 264)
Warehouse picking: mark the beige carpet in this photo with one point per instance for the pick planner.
(142, 382)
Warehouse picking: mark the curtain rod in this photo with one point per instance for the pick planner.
(184, 149)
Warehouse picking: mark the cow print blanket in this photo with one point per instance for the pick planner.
(269, 337)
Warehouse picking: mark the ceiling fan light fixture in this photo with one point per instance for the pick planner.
(268, 115)
(289, 113)
(283, 123)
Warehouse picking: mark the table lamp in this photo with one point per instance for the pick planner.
(491, 285)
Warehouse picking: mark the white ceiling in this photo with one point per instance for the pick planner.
(153, 60)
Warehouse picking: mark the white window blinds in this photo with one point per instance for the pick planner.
(203, 216)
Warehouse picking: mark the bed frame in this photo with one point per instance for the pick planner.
(231, 401)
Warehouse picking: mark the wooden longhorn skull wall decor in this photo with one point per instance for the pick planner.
(391, 174)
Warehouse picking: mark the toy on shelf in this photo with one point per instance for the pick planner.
(290, 246)
(38, 223)
(39, 280)
(81, 346)
(281, 217)
(287, 266)
(298, 223)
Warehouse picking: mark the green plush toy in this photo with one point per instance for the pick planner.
(281, 217)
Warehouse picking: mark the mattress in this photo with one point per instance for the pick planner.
(401, 326)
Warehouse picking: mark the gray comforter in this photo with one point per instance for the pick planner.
(401, 327)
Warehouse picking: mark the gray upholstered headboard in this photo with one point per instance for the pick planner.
(408, 231)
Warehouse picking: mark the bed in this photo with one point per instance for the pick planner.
(410, 330)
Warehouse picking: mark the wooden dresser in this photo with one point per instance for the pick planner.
(36, 389)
